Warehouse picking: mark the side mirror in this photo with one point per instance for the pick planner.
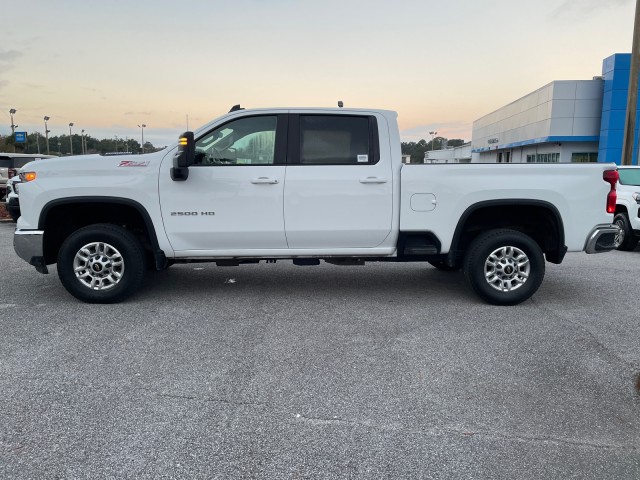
(184, 157)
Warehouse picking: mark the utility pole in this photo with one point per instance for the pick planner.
(70, 140)
(632, 99)
(46, 132)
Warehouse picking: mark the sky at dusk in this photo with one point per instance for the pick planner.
(110, 66)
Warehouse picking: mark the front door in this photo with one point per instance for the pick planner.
(233, 197)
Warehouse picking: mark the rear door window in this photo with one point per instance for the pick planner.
(336, 140)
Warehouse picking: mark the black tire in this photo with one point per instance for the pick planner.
(625, 240)
(442, 265)
(114, 262)
(504, 259)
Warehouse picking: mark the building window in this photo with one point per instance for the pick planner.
(588, 157)
(544, 158)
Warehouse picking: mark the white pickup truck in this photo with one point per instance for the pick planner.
(628, 208)
(307, 185)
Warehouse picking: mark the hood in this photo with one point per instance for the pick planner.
(94, 164)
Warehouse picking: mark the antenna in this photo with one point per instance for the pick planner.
(340, 104)
(235, 108)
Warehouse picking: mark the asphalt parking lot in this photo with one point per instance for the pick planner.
(277, 371)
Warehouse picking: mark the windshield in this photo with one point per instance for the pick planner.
(629, 176)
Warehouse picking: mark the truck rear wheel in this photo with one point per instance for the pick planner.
(624, 239)
(101, 263)
(504, 267)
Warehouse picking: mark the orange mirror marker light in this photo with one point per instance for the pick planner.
(28, 176)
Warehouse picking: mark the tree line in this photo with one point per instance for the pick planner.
(60, 145)
(418, 149)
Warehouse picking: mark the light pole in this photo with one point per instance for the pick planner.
(433, 136)
(38, 140)
(46, 132)
(82, 141)
(13, 127)
(143, 127)
(59, 146)
(70, 140)
(632, 98)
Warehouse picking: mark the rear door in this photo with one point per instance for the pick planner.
(338, 191)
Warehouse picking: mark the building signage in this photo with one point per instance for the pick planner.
(492, 140)
(21, 137)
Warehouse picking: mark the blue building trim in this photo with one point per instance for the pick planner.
(536, 141)
(615, 71)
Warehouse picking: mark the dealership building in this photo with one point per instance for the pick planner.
(564, 121)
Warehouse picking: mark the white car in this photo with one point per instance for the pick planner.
(628, 208)
(13, 204)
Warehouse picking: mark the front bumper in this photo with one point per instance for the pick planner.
(601, 239)
(28, 245)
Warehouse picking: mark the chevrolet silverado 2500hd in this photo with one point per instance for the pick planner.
(307, 185)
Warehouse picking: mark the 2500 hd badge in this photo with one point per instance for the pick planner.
(191, 214)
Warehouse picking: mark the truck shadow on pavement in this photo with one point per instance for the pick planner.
(365, 282)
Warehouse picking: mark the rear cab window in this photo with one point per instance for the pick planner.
(333, 140)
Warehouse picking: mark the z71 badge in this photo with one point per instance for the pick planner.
(132, 163)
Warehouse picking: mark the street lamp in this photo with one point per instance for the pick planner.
(70, 140)
(143, 127)
(46, 132)
(82, 141)
(433, 136)
(13, 127)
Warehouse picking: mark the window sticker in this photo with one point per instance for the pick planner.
(363, 158)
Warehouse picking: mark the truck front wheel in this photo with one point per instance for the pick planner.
(101, 263)
(504, 267)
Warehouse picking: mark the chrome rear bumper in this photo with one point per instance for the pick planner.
(601, 239)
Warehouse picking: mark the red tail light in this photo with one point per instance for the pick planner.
(611, 177)
(11, 172)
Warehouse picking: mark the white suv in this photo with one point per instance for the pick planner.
(628, 208)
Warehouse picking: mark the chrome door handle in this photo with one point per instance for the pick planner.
(373, 180)
(264, 180)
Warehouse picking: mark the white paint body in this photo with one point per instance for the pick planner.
(314, 210)
(625, 198)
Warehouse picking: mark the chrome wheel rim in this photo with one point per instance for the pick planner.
(619, 238)
(98, 266)
(507, 268)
